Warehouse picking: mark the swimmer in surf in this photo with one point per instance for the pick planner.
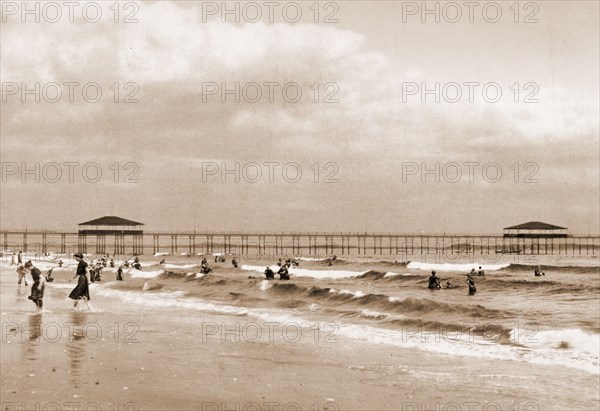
(471, 284)
(434, 281)
(283, 273)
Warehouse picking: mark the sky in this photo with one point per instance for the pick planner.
(301, 116)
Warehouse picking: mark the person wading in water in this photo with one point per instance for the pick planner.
(81, 290)
(37, 288)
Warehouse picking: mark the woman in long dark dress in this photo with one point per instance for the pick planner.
(82, 289)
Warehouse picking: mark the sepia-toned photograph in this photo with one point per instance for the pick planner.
(304, 205)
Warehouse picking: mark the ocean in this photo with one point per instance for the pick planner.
(513, 316)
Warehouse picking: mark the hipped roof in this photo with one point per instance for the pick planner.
(535, 225)
(111, 220)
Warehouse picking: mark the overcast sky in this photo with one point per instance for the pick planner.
(367, 130)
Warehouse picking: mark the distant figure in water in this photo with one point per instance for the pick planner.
(13, 259)
(60, 263)
(206, 269)
(283, 273)
(434, 281)
(234, 262)
(81, 291)
(295, 263)
(21, 272)
(162, 261)
(49, 277)
(472, 272)
(449, 285)
(204, 261)
(20, 257)
(269, 273)
(97, 273)
(37, 288)
(480, 272)
(92, 270)
(471, 284)
(332, 259)
(137, 265)
(279, 263)
(120, 273)
(538, 272)
(112, 263)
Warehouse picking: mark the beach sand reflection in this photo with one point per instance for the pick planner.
(76, 345)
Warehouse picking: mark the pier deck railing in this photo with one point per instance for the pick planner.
(292, 243)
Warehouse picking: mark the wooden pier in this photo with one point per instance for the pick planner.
(318, 245)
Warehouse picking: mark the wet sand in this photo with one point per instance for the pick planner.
(120, 357)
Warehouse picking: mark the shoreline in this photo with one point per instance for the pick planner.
(170, 359)
(186, 344)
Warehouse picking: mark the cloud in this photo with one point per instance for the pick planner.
(369, 131)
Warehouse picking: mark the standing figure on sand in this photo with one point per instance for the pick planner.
(81, 291)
